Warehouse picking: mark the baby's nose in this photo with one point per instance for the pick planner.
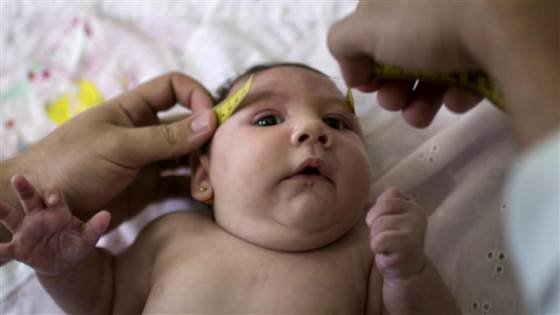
(311, 132)
(304, 137)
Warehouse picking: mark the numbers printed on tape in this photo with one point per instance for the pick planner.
(227, 107)
(475, 81)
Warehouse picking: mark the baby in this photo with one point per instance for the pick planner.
(288, 179)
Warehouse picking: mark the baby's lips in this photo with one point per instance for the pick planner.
(314, 163)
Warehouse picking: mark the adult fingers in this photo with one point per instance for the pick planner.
(28, 196)
(153, 143)
(424, 104)
(395, 95)
(459, 100)
(96, 226)
(10, 217)
(345, 45)
(174, 118)
(161, 93)
(358, 72)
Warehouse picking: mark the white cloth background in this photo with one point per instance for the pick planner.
(454, 169)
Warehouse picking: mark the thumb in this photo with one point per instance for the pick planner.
(96, 226)
(346, 44)
(148, 144)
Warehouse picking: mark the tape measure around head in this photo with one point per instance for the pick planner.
(227, 107)
(350, 100)
(475, 81)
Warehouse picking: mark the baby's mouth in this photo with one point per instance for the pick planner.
(312, 169)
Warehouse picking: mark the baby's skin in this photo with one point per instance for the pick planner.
(289, 232)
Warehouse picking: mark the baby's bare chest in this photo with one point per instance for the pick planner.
(234, 279)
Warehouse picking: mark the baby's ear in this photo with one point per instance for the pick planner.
(201, 187)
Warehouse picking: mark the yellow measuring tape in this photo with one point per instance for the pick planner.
(475, 81)
(227, 107)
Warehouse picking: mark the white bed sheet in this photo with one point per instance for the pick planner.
(454, 169)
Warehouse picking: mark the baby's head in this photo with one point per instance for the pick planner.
(288, 170)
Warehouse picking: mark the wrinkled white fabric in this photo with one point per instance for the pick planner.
(534, 225)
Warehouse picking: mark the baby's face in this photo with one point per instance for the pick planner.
(289, 169)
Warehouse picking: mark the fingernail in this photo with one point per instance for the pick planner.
(52, 199)
(201, 122)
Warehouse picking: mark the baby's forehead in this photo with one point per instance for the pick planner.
(288, 80)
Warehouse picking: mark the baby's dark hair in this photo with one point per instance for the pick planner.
(225, 87)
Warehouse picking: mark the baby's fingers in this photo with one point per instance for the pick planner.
(391, 201)
(96, 226)
(28, 196)
(386, 223)
(10, 217)
(391, 249)
(392, 193)
(387, 242)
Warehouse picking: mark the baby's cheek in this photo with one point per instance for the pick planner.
(360, 167)
(359, 178)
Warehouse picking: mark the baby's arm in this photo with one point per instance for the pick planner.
(61, 249)
(411, 284)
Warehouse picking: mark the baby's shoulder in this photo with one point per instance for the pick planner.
(178, 225)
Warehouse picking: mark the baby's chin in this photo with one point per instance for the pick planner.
(279, 237)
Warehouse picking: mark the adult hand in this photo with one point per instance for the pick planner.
(515, 42)
(107, 157)
(420, 36)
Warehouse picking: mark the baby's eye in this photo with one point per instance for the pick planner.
(268, 120)
(335, 123)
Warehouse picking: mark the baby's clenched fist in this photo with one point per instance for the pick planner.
(397, 231)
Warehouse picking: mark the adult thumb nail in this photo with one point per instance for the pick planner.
(201, 123)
